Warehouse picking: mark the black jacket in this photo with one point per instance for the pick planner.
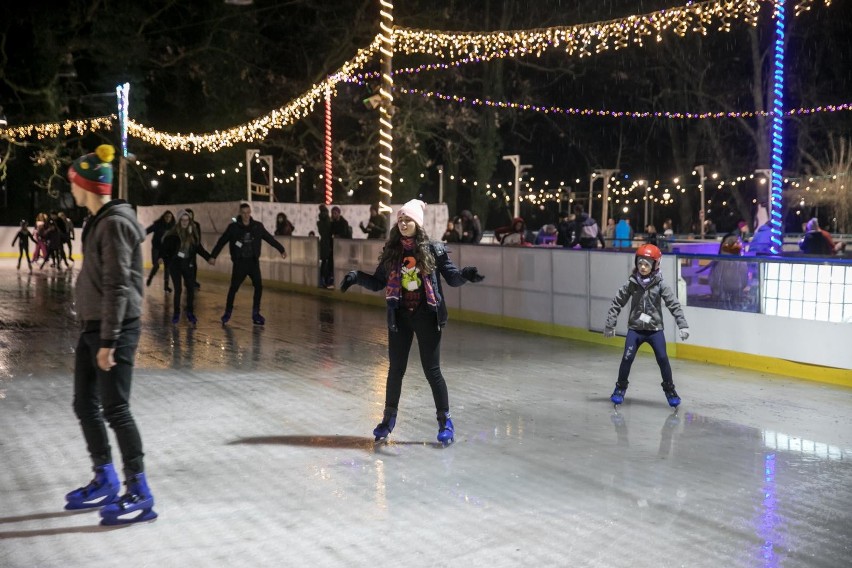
(250, 234)
(170, 249)
(159, 228)
(444, 266)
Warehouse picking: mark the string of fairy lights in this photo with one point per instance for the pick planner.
(465, 47)
(622, 189)
(579, 40)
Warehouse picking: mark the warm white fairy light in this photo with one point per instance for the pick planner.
(579, 40)
(584, 39)
(386, 49)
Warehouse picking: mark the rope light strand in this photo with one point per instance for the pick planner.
(616, 113)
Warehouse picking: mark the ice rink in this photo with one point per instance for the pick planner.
(259, 449)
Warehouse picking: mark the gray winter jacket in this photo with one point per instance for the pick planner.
(110, 286)
(645, 300)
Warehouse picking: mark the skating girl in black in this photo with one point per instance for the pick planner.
(179, 248)
(408, 272)
(23, 238)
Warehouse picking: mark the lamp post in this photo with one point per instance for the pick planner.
(299, 171)
(250, 155)
(700, 170)
(519, 170)
(605, 174)
(643, 183)
(122, 93)
(440, 184)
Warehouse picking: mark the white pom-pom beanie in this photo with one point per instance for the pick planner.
(414, 209)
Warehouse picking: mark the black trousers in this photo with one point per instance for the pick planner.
(24, 251)
(245, 267)
(100, 395)
(183, 274)
(327, 270)
(423, 323)
(155, 266)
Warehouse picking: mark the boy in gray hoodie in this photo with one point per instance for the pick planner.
(109, 305)
(646, 291)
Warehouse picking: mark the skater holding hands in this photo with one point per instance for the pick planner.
(409, 272)
(180, 246)
(646, 292)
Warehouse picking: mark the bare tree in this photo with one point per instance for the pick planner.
(833, 188)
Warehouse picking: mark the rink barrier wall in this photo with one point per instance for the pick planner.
(553, 292)
(567, 293)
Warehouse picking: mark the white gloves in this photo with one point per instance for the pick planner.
(684, 334)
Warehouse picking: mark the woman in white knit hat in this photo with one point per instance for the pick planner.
(408, 272)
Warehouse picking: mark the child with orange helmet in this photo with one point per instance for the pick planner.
(646, 291)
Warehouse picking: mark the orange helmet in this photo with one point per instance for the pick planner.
(651, 253)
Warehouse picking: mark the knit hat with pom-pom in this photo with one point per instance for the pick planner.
(93, 172)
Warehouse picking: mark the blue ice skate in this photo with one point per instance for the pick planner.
(385, 427)
(617, 396)
(135, 506)
(102, 490)
(671, 395)
(446, 430)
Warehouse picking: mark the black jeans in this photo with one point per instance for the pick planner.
(245, 267)
(424, 323)
(94, 388)
(155, 262)
(24, 251)
(634, 339)
(183, 273)
(327, 271)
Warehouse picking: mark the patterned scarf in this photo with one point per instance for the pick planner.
(393, 290)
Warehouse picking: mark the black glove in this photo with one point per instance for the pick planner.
(470, 274)
(348, 280)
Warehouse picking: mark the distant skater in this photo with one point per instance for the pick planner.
(244, 237)
(23, 238)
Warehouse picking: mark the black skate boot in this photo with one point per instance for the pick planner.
(386, 426)
(671, 394)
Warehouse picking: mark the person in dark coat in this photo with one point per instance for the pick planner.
(244, 238)
(23, 238)
(376, 227)
(180, 246)
(409, 272)
(326, 248)
(283, 226)
(159, 228)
